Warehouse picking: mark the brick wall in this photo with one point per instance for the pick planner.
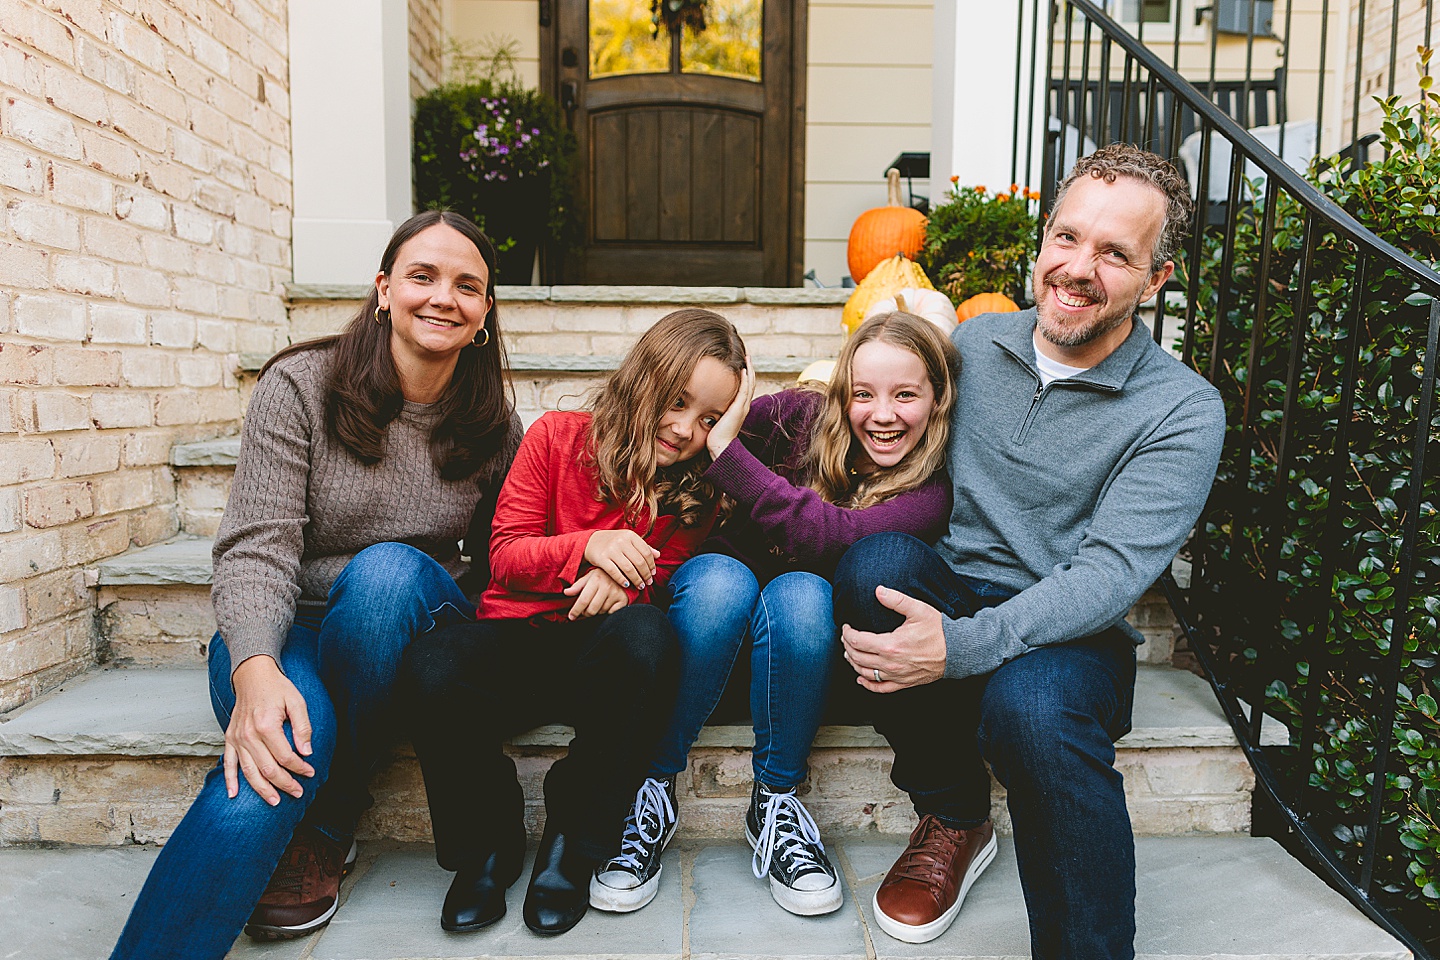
(427, 54)
(145, 208)
(1409, 33)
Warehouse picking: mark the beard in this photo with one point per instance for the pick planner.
(1063, 335)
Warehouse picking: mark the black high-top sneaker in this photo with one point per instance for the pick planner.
(787, 847)
(631, 879)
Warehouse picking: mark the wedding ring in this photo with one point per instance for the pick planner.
(877, 675)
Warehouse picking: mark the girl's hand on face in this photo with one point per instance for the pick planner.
(727, 428)
(624, 556)
(255, 740)
(595, 593)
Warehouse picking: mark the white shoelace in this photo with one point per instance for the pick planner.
(651, 800)
(782, 834)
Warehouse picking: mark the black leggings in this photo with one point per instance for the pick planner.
(468, 688)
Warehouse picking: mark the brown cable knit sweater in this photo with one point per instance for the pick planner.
(301, 506)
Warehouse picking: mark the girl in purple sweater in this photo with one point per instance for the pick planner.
(809, 473)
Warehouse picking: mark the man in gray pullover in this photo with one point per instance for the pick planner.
(1081, 455)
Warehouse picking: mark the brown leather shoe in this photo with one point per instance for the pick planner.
(304, 890)
(921, 895)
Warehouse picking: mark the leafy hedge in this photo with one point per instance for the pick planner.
(1306, 573)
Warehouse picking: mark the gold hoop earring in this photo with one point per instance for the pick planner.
(477, 342)
(378, 321)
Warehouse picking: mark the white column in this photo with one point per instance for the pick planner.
(973, 101)
(350, 134)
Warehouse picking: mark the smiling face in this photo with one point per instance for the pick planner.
(1094, 268)
(685, 426)
(436, 295)
(890, 403)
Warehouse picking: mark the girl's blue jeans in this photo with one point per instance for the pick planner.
(343, 660)
(717, 603)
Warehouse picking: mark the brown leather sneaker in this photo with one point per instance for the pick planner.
(304, 890)
(922, 893)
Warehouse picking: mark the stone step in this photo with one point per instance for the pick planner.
(1198, 898)
(154, 605)
(116, 756)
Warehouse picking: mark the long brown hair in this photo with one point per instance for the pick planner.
(627, 407)
(362, 388)
(828, 459)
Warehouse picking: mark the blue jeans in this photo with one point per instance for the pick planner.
(1046, 722)
(717, 602)
(343, 661)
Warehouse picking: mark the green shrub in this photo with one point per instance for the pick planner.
(981, 242)
(1329, 537)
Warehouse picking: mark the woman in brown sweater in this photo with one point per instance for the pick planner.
(365, 458)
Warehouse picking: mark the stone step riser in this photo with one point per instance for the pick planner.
(108, 800)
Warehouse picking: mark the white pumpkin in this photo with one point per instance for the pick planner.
(930, 304)
(820, 370)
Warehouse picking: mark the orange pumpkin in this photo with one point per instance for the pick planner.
(984, 303)
(881, 233)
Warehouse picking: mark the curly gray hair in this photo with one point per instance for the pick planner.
(1127, 160)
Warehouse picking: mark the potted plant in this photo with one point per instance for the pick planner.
(501, 154)
(981, 242)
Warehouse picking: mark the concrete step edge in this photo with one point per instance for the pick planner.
(573, 363)
(180, 561)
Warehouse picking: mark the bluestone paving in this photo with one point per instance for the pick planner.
(1211, 897)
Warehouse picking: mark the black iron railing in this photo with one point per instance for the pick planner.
(1314, 585)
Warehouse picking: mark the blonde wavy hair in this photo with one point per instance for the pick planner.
(829, 458)
(626, 411)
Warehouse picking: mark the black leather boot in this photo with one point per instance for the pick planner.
(477, 897)
(559, 892)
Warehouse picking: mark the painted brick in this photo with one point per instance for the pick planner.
(86, 15)
(29, 555)
(95, 541)
(219, 406)
(9, 510)
(108, 154)
(113, 241)
(139, 285)
(36, 29)
(235, 304)
(169, 178)
(111, 410)
(177, 407)
(24, 266)
(172, 330)
(84, 275)
(148, 449)
(168, 254)
(12, 609)
(136, 41)
(114, 323)
(197, 296)
(45, 224)
(216, 267)
(218, 336)
(152, 524)
(162, 97)
(142, 209)
(8, 421)
(58, 503)
(75, 95)
(215, 197)
(192, 151)
(88, 455)
(136, 123)
(20, 169)
(191, 224)
(43, 128)
(198, 371)
(50, 318)
(61, 411)
(56, 595)
(115, 492)
(81, 188)
(87, 367)
(147, 368)
(20, 70)
(25, 363)
(26, 460)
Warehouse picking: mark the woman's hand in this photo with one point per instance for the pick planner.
(727, 428)
(255, 741)
(624, 555)
(596, 593)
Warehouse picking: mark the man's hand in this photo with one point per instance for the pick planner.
(910, 655)
(255, 740)
(596, 592)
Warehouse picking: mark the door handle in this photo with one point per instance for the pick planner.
(545, 13)
(569, 98)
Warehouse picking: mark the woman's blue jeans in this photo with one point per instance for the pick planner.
(1046, 722)
(717, 603)
(343, 660)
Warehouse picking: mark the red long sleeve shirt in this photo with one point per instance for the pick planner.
(544, 516)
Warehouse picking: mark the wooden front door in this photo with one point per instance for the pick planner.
(691, 141)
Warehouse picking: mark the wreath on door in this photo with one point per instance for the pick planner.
(675, 15)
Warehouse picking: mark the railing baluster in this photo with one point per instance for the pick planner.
(1244, 114)
(1283, 101)
(1387, 684)
(1125, 96)
(1015, 131)
(1320, 77)
(1035, 34)
(1102, 106)
(1355, 102)
(1394, 39)
(1083, 113)
(1197, 248)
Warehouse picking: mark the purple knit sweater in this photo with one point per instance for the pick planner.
(779, 523)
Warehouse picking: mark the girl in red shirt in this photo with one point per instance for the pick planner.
(597, 511)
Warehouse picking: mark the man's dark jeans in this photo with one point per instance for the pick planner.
(1046, 722)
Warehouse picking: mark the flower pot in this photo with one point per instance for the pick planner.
(516, 214)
